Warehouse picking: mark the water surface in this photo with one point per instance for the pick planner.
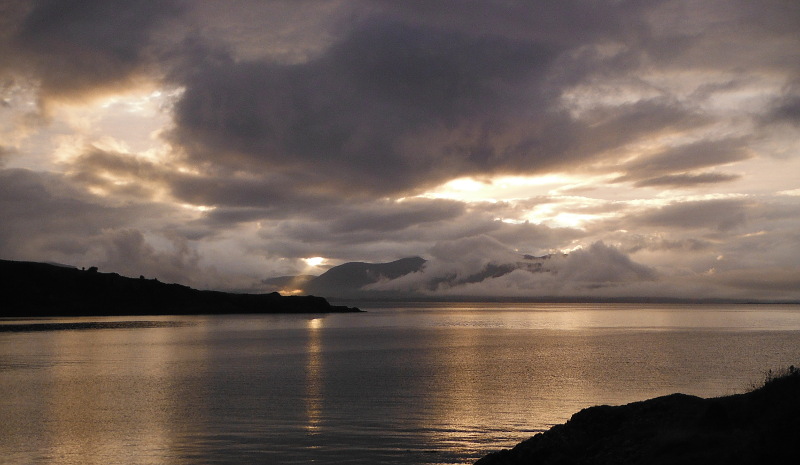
(421, 384)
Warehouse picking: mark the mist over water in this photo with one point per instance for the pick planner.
(423, 384)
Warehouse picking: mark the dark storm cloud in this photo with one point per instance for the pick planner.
(407, 96)
(397, 105)
(228, 191)
(561, 23)
(77, 46)
(389, 107)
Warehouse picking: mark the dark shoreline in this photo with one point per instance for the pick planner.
(86, 325)
(761, 426)
(30, 289)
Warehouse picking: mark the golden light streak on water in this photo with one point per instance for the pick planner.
(314, 376)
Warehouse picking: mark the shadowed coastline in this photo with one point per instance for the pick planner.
(758, 427)
(86, 325)
(29, 289)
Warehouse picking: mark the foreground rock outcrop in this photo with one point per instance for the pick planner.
(40, 289)
(759, 427)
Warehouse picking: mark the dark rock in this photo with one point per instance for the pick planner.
(758, 427)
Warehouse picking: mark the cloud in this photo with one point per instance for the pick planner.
(679, 180)
(602, 264)
(767, 282)
(397, 104)
(598, 271)
(48, 218)
(75, 47)
(718, 214)
(475, 252)
(238, 197)
(560, 24)
(659, 169)
(787, 109)
(290, 130)
(122, 176)
(127, 252)
(455, 262)
(609, 127)
(388, 216)
(483, 267)
(383, 230)
(43, 215)
(389, 107)
(5, 152)
(638, 242)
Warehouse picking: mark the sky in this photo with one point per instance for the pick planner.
(221, 143)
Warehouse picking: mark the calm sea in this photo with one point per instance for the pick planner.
(418, 384)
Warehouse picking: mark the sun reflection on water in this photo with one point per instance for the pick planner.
(314, 378)
(429, 385)
(119, 414)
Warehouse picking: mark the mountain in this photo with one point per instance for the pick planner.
(349, 279)
(761, 426)
(359, 280)
(30, 289)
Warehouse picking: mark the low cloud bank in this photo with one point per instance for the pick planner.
(481, 267)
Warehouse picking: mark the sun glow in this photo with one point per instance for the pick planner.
(499, 188)
(296, 285)
(198, 208)
(549, 199)
(314, 261)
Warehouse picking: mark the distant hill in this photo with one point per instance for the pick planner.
(761, 426)
(41, 289)
(348, 280)
(352, 280)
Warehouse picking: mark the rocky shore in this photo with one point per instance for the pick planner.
(758, 427)
(29, 289)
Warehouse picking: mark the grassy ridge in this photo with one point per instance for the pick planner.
(759, 427)
(39, 289)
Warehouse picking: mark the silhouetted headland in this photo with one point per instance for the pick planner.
(758, 427)
(40, 289)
